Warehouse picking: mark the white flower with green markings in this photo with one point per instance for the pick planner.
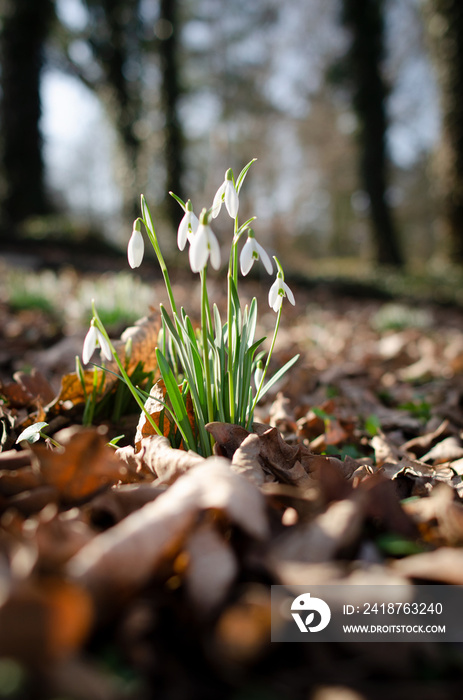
(94, 339)
(279, 290)
(204, 245)
(252, 251)
(136, 246)
(226, 194)
(187, 227)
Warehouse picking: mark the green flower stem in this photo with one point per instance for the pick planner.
(269, 357)
(162, 265)
(55, 443)
(235, 254)
(231, 386)
(207, 366)
(205, 297)
(124, 374)
(232, 276)
(151, 233)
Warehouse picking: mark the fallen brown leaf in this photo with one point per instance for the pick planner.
(44, 620)
(84, 465)
(323, 538)
(14, 481)
(27, 390)
(164, 462)
(242, 632)
(124, 557)
(444, 564)
(211, 570)
(245, 460)
(112, 506)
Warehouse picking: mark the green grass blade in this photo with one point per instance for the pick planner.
(278, 375)
(243, 174)
(178, 404)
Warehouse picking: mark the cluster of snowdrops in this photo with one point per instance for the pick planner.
(218, 369)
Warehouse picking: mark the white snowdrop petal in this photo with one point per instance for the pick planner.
(198, 250)
(182, 234)
(214, 250)
(246, 257)
(289, 294)
(267, 263)
(278, 302)
(231, 199)
(193, 225)
(273, 293)
(218, 200)
(90, 342)
(104, 345)
(135, 249)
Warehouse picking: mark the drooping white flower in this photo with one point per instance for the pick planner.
(258, 374)
(252, 251)
(136, 247)
(93, 339)
(278, 291)
(187, 227)
(204, 244)
(228, 194)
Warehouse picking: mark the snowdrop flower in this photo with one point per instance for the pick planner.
(258, 374)
(279, 290)
(93, 339)
(136, 247)
(252, 251)
(203, 245)
(187, 227)
(228, 194)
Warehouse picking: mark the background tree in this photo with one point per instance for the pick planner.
(364, 64)
(125, 57)
(24, 29)
(444, 19)
(168, 36)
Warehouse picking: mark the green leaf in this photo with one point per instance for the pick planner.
(372, 425)
(180, 413)
(398, 546)
(148, 221)
(243, 174)
(177, 199)
(115, 440)
(278, 375)
(244, 226)
(322, 414)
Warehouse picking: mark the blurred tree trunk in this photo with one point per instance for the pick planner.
(114, 35)
(365, 20)
(121, 41)
(444, 20)
(24, 30)
(170, 94)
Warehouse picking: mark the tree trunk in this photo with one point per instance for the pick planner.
(24, 30)
(170, 93)
(444, 19)
(115, 39)
(364, 62)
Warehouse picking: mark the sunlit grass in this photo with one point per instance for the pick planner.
(122, 298)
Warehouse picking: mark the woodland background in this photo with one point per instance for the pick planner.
(352, 107)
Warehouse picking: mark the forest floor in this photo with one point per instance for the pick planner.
(146, 571)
